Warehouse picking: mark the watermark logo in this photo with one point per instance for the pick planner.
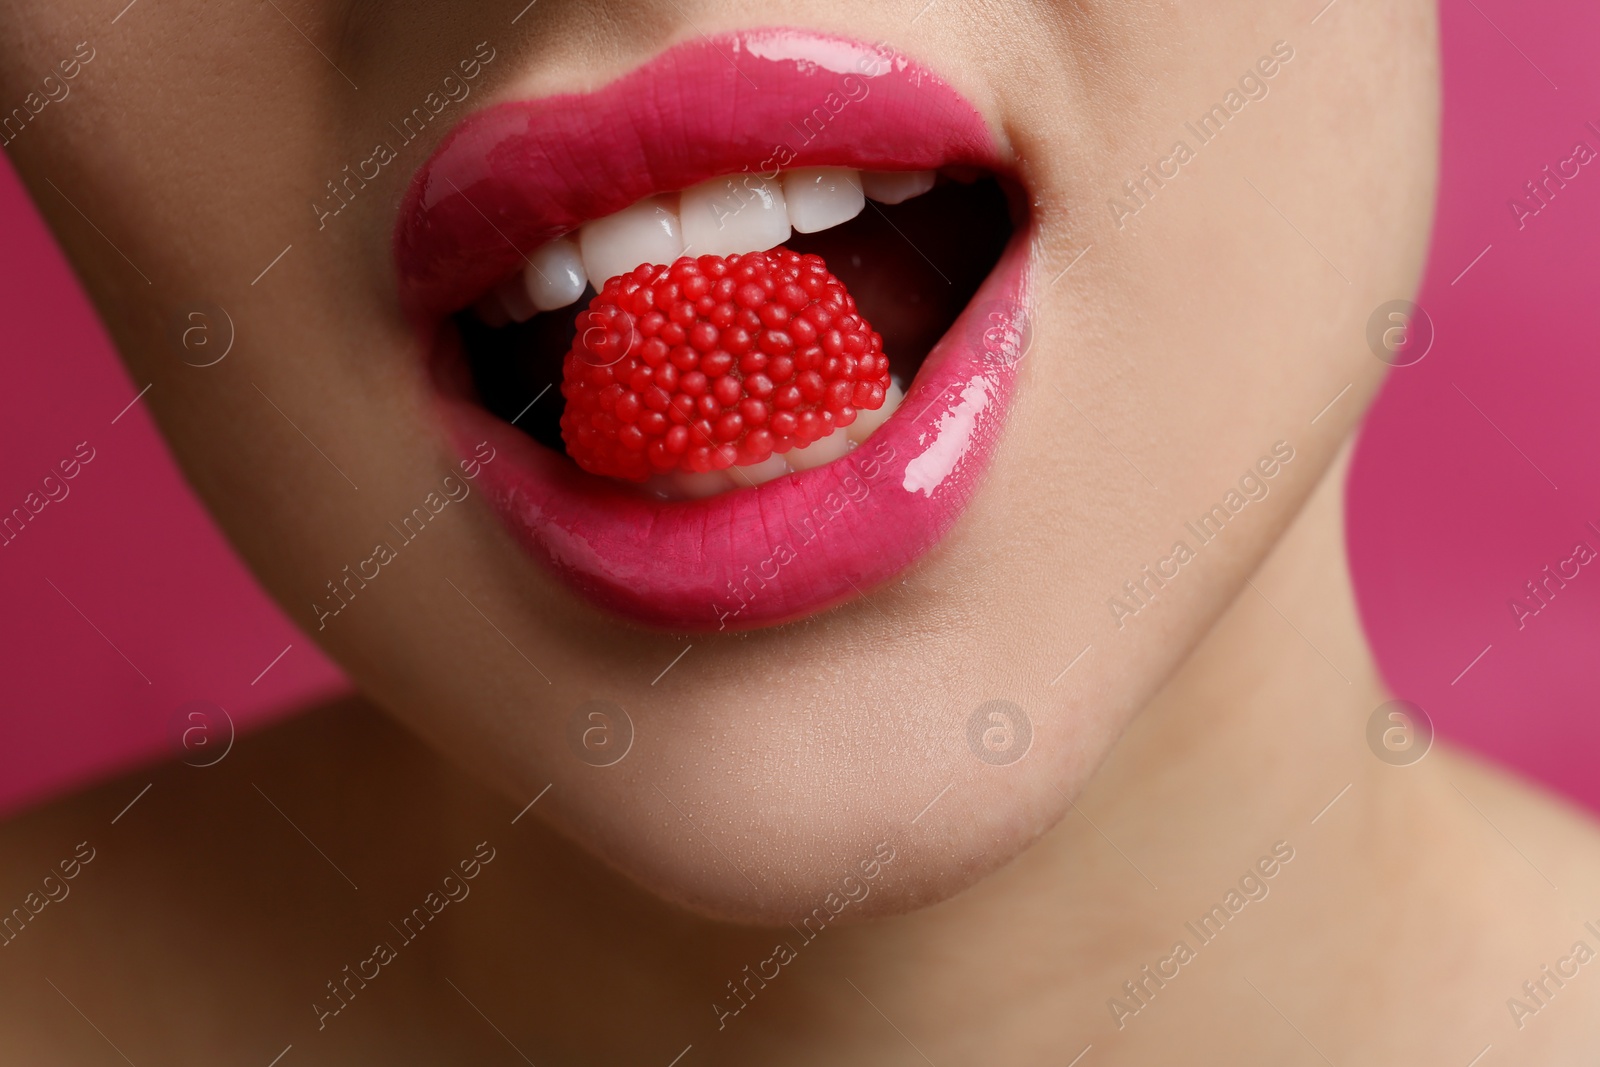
(1400, 333)
(1400, 733)
(202, 334)
(605, 334)
(201, 733)
(600, 733)
(1001, 331)
(999, 732)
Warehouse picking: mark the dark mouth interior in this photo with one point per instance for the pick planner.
(912, 268)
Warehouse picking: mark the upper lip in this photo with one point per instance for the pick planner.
(511, 177)
(515, 175)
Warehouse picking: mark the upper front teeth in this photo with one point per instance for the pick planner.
(745, 213)
(646, 232)
(822, 197)
(738, 213)
(896, 186)
(556, 274)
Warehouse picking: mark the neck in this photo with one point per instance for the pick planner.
(1243, 876)
(1241, 831)
(1208, 783)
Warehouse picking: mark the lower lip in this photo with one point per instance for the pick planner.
(789, 548)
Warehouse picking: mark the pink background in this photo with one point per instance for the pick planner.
(1448, 520)
(1448, 517)
(129, 546)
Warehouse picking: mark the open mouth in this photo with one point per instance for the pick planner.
(911, 262)
(743, 324)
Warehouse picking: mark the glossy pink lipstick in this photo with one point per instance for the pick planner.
(518, 174)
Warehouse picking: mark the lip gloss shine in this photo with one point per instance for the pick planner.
(517, 174)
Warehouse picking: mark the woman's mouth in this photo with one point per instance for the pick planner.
(799, 492)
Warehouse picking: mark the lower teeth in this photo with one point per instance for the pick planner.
(681, 485)
(885, 257)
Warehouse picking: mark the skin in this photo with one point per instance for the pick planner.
(1195, 735)
(206, 927)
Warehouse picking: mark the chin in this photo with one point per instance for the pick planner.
(759, 800)
(724, 399)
